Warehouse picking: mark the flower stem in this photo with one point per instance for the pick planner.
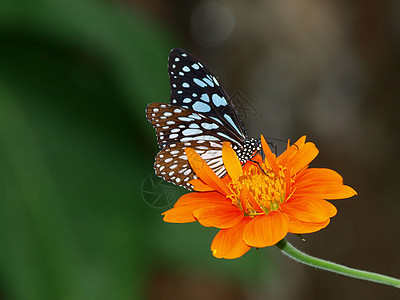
(318, 263)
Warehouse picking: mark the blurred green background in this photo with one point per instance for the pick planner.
(79, 206)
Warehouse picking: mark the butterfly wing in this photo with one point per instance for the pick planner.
(178, 128)
(194, 87)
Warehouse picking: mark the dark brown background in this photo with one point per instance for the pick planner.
(76, 151)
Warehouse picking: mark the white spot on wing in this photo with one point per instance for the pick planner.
(199, 82)
(205, 98)
(192, 131)
(201, 107)
(216, 81)
(202, 137)
(229, 119)
(195, 116)
(208, 81)
(209, 126)
(185, 119)
(218, 101)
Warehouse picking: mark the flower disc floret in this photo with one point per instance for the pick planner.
(265, 190)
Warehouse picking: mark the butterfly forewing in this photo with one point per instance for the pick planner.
(194, 87)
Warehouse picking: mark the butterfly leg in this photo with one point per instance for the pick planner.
(258, 165)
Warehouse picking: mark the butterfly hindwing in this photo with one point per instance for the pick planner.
(172, 164)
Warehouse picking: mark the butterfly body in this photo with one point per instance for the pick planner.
(200, 116)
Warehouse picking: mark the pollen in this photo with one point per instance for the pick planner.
(258, 191)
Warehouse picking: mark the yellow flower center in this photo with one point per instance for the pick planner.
(256, 192)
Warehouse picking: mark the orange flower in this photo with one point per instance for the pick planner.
(258, 204)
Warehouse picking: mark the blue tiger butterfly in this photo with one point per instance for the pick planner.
(200, 116)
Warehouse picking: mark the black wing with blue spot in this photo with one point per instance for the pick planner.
(194, 87)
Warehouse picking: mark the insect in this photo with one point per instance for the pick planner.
(200, 116)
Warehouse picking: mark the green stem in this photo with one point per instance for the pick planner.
(318, 263)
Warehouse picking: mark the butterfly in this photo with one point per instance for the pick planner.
(200, 116)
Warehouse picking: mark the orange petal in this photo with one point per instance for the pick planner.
(300, 142)
(296, 226)
(204, 172)
(206, 198)
(266, 230)
(308, 209)
(254, 203)
(303, 157)
(200, 186)
(182, 212)
(290, 151)
(244, 195)
(231, 161)
(320, 175)
(220, 216)
(330, 192)
(323, 183)
(270, 158)
(228, 243)
(288, 180)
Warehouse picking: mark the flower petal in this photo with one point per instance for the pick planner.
(182, 212)
(296, 226)
(200, 186)
(228, 243)
(205, 173)
(322, 183)
(330, 192)
(290, 150)
(300, 142)
(206, 198)
(220, 216)
(266, 230)
(317, 175)
(303, 157)
(308, 209)
(270, 158)
(231, 161)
